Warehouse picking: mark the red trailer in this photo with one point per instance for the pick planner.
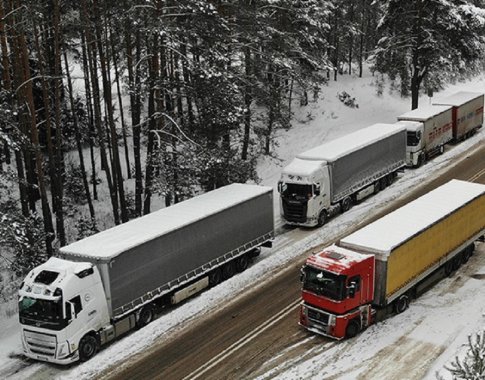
(467, 113)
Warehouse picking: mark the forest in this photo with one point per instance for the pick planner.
(180, 97)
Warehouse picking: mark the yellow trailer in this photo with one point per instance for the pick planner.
(348, 286)
(410, 243)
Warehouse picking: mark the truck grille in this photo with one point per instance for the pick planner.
(318, 316)
(294, 211)
(40, 343)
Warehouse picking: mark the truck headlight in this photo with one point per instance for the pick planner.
(62, 350)
(331, 320)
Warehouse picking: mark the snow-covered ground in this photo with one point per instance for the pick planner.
(315, 124)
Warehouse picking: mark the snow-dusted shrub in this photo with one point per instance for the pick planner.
(472, 365)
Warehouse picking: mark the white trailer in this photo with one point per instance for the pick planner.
(323, 180)
(111, 282)
(467, 113)
(428, 128)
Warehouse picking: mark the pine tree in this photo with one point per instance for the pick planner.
(421, 40)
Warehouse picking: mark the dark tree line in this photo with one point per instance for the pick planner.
(184, 95)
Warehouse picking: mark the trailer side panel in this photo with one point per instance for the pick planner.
(187, 250)
(362, 167)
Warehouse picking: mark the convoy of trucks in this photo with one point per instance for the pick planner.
(380, 267)
(107, 284)
(430, 128)
(323, 180)
(111, 282)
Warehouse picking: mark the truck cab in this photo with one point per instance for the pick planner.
(415, 142)
(305, 192)
(60, 304)
(337, 292)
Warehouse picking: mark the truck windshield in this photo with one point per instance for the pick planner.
(324, 283)
(297, 190)
(414, 137)
(41, 313)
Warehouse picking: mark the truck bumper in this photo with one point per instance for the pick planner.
(317, 321)
(45, 347)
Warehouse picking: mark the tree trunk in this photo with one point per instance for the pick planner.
(135, 107)
(78, 143)
(247, 103)
(90, 112)
(152, 124)
(117, 175)
(90, 43)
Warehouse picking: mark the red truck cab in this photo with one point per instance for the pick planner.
(337, 292)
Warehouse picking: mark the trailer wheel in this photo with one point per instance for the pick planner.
(145, 316)
(322, 218)
(383, 183)
(456, 262)
(346, 204)
(465, 255)
(242, 263)
(352, 329)
(377, 186)
(215, 277)
(88, 346)
(448, 268)
(402, 303)
(228, 270)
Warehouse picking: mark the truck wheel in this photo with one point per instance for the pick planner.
(242, 263)
(346, 204)
(215, 277)
(402, 303)
(228, 270)
(420, 161)
(352, 329)
(88, 346)
(145, 316)
(322, 219)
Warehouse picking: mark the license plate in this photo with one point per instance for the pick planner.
(44, 358)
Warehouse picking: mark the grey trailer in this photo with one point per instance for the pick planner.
(159, 253)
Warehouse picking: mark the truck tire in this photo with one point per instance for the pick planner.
(346, 204)
(215, 277)
(401, 304)
(228, 270)
(448, 268)
(322, 218)
(88, 346)
(377, 187)
(145, 316)
(242, 263)
(353, 328)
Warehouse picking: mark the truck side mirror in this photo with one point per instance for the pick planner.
(316, 189)
(351, 289)
(280, 187)
(302, 276)
(69, 311)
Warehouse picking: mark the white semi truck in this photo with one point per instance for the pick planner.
(109, 283)
(428, 128)
(323, 180)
